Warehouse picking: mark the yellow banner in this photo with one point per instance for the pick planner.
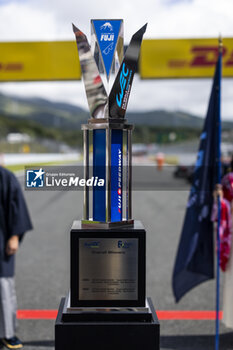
(164, 58)
(34, 61)
(184, 58)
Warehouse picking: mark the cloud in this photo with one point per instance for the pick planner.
(20, 22)
(181, 95)
(50, 20)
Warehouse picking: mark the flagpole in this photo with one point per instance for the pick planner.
(218, 198)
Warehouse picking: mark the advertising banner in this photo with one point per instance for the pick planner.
(39, 61)
(184, 58)
(159, 59)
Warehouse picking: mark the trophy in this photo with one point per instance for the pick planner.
(107, 123)
(108, 248)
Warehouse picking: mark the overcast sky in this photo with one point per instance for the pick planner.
(27, 20)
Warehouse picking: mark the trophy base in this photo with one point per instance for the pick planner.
(106, 225)
(108, 266)
(104, 329)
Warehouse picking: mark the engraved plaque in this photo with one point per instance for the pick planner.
(108, 269)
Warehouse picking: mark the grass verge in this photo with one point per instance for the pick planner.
(20, 167)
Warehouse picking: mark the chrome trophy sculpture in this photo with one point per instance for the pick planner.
(102, 66)
(107, 306)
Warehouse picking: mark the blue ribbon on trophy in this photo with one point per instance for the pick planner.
(100, 64)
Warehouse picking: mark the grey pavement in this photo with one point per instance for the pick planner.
(42, 274)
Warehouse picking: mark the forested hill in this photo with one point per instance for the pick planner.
(64, 115)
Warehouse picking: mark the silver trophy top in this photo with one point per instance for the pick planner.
(105, 61)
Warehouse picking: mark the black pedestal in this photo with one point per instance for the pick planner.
(106, 309)
(119, 330)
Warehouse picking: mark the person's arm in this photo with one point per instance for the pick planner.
(12, 245)
(217, 192)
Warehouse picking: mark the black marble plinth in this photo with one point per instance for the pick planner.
(104, 330)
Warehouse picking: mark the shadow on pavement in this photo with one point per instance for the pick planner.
(44, 343)
(179, 342)
(200, 342)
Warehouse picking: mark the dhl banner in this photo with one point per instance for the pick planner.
(162, 58)
(184, 58)
(32, 61)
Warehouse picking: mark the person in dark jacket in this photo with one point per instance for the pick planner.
(14, 222)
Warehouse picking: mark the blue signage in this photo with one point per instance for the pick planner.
(107, 32)
(116, 175)
(99, 161)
